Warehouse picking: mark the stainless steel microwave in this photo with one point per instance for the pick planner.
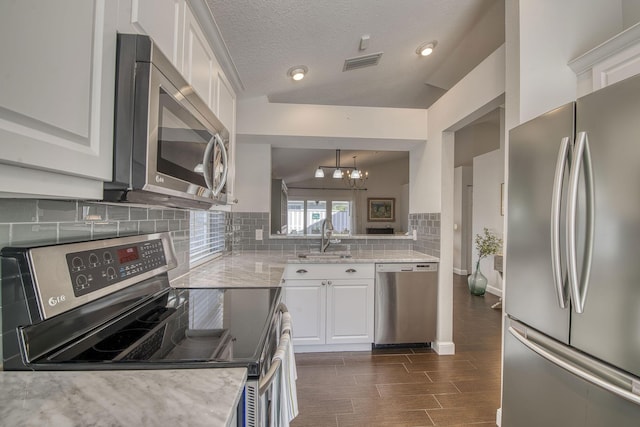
(169, 147)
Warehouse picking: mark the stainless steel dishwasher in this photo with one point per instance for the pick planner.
(406, 303)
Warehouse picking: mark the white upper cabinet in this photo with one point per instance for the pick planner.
(162, 20)
(57, 85)
(226, 103)
(199, 62)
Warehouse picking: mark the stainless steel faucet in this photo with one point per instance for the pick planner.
(325, 238)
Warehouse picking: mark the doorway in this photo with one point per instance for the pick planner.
(478, 175)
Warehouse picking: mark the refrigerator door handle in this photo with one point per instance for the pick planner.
(578, 371)
(558, 278)
(579, 285)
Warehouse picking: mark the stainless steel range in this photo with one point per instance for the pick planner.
(107, 304)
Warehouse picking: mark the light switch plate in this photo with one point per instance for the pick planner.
(258, 233)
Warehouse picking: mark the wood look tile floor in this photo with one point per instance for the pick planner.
(410, 386)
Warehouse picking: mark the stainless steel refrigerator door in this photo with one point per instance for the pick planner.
(538, 393)
(551, 384)
(609, 327)
(532, 295)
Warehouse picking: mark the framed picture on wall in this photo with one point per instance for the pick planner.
(381, 209)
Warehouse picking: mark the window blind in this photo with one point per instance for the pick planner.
(206, 235)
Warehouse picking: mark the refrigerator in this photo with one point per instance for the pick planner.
(572, 272)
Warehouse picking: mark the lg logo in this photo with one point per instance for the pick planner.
(159, 179)
(53, 301)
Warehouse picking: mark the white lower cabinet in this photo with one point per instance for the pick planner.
(331, 304)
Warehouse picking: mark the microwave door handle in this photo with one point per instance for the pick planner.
(225, 164)
(206, 172)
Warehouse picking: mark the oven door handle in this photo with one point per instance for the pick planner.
(285, 340)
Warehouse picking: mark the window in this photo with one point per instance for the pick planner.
(316, 213)
(206, 235)
(295, 216)
(341, 217)
(304, 217)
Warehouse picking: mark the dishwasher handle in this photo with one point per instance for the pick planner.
(406, 268)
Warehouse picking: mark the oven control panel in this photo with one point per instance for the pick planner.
(68, 275)
(98, 268)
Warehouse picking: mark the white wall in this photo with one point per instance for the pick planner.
(488, 174)
(551, 33)
(256, 116)
(463, 178)
(630, 13)
(253, 178)
(475, 139)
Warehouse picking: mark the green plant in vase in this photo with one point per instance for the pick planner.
(487, 244)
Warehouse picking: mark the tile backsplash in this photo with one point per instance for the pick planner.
(40, 222)
(245, 224)
(427, 226)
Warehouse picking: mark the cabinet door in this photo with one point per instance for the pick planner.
(306, 301)
(350, 311)
(226, 108)
(160, 19)
(199, 63)
(57, 86)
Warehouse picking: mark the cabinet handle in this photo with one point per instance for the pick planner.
(350, 270)
(324, 283)
(301, 271)
(329, 282)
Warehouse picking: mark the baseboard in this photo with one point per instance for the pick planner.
(444, 347)
(499, 417)
(324, 348)
(494, 291)
(460, 272)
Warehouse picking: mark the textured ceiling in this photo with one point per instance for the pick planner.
(266, 38)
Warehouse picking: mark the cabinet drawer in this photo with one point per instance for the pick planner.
(329, 271)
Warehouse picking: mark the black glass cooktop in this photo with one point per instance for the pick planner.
(181, 328)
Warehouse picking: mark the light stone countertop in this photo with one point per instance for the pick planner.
(265, 269)
(178, 397)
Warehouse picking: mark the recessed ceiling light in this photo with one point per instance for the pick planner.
(298, 72)
(426, 49)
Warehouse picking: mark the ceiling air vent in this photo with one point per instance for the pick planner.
(362, 61)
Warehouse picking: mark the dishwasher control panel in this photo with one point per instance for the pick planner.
(406, 267)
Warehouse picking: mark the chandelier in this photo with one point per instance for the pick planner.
(351, 176)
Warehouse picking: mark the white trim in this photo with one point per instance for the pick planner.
(494, 291)
(610, 47)
(460, 272)
(331, 347)
(499, 417)
(444, 347)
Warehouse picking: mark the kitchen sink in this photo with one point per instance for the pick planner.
(324, 255)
